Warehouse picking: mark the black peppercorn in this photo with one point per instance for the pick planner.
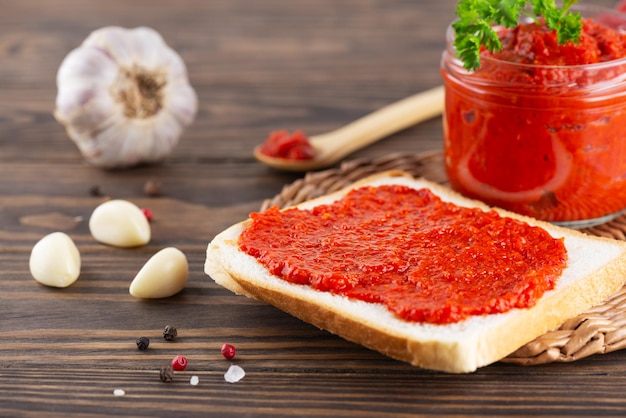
(166, 374)
(169, 333)
(143, 343)
(95, 191)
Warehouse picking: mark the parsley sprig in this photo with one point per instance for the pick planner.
(476, 19)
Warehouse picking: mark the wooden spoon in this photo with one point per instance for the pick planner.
(333, 146)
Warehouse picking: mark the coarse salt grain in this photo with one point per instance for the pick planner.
(234, 374)
(194, 380)
(119, 392)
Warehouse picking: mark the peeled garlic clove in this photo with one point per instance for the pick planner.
(119, 223)
(164, 275)
(124, 97)
(55, 260)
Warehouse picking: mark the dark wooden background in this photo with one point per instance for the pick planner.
(257, 66)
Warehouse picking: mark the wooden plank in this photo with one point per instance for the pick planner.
(257, 66)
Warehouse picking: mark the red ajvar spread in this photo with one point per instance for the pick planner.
(544, 142)
(535, 43)
(424, 259)
(282, 144)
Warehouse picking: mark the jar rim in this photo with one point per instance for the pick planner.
(450, 33)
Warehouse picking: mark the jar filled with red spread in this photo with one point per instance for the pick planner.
(540, 128)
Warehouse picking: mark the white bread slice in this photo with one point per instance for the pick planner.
(596, 270)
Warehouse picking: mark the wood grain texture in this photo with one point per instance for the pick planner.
(257, 66)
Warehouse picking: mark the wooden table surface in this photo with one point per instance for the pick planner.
(257, 66)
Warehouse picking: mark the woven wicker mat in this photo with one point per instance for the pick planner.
(599, 330)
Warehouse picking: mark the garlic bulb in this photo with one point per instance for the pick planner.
(124, 97)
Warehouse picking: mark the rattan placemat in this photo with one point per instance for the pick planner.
(599, 330)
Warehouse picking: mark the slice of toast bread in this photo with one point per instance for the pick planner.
(596, 269)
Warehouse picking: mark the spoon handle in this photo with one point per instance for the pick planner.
(383, 122)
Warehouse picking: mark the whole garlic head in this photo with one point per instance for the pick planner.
(124, 97)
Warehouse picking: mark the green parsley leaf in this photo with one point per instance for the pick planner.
(476, 19)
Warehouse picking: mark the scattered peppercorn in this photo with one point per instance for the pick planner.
(95, 191)
(169, 333)
(147, 213)
(166, 374)
(152, 188)
(143, 343)
(179, 363)
(228, 351)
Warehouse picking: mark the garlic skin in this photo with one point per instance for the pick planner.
(124, 97)
(55, 260)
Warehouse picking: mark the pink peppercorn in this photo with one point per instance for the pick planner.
(179, 363)
(228, 351)
(147, 213)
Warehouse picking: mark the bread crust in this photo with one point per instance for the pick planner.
(455, 348)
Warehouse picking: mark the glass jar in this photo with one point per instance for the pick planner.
(543, 141)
